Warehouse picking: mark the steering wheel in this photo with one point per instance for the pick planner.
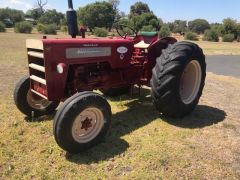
(123, 27)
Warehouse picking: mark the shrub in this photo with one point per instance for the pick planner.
(23, 27)
(2, 27)
(148, 28)
(238, 39)
(211, 35)
(50, 29)
(191, 36)
(89, 33)
(228, 38)
(40, 27)
(64, 29)
(100, 32)
(165, 31)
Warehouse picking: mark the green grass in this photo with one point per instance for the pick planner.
(142, 144)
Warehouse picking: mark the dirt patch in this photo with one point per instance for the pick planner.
(9, 75)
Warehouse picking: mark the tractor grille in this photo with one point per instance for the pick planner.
(37, 72)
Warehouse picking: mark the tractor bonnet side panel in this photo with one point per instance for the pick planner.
(71, 52)
(117, 52)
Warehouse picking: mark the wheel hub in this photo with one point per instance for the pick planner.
(87, 125)
(190, 82)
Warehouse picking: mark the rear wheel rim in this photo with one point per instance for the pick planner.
(37, 102)
(190, 82)
(87, 125)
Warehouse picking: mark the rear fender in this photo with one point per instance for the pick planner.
(155, 50)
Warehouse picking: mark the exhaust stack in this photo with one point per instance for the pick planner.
(72, 20)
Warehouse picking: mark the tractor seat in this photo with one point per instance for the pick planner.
(148, 34)
(146, 39)
(141, 45)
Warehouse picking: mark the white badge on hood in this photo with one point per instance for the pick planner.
(122, 50)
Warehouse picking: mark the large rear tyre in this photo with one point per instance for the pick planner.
(29, 103)
(178, 79)
(82, 122)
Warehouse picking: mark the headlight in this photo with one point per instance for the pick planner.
(61, 68)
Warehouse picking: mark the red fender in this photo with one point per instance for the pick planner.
(155, 49)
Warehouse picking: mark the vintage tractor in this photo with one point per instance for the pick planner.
(68, 70)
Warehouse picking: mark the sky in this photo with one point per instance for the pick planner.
(168, 10)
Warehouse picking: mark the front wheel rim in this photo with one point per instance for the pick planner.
(37, 102)
(190, 82)
(87, 125)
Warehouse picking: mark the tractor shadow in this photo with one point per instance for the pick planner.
(41, 118)
(201, 117)
(141, 112)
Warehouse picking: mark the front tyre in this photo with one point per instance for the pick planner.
(82, 122)
(178, 79)
(29, 103)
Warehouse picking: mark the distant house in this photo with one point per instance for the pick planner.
(31, 20)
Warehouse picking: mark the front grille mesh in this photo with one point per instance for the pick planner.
(37, 72)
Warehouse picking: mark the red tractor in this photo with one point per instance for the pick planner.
(68, 70)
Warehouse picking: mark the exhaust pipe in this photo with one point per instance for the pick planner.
(72, 20)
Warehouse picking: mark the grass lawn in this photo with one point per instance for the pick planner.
(220, 48)
(141, 145)
(216, 48)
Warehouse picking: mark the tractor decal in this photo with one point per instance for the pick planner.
(72, 53)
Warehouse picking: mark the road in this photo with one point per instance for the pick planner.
(224, 65)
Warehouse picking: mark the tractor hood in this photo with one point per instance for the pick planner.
(45, 56)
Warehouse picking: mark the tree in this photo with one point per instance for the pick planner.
(218, 28)
(170, 25)
(98, 14)
(114, 3)
(120, 15)
(154, 23)
(179, 26)
(40, 5)
(139, 8)
(11, 15)
(148, 28)
(198, 25)
(34, 13)
(161, 23)
(230, 26)
(51, 17)
(2, 27)
(145, 19)
(238, 31)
